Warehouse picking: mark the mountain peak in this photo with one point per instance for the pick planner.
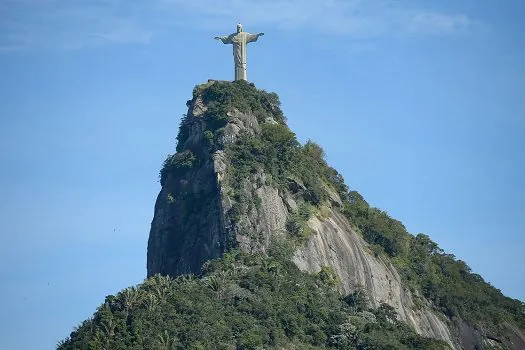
(260, 221)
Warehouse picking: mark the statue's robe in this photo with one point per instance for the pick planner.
(239, 41)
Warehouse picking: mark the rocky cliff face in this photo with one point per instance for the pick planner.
(188, 224)
(334, 243)
(192, 221)
(202, 210)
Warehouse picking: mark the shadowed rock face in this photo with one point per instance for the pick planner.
(186, 231)
(191, 225)
(187, 227)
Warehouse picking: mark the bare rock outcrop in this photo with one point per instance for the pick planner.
(335, 243)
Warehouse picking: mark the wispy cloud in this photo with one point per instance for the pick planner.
(358, 18)
(70, 24)
(438, 23)
(74, 24)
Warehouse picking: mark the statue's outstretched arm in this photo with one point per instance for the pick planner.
(252, 37)
(224, 39)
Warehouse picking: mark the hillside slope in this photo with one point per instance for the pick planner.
(241, 183)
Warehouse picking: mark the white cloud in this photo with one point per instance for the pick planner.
(358, 18)
(74, 24)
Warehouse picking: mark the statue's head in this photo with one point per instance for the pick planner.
(239, 28)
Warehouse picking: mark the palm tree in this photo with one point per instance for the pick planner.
(159, 286)
(99, 341)
(150, 301)
(62, 343)
(214, 282)
(165, 342)
(109, 326)
(130, 297)
(182, 279)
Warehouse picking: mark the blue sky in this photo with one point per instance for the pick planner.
(420, 105)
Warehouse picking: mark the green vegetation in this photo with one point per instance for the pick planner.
(275, 150)
(296, 224)
(251, 301)
(428, 271)
(277, 153)
(221, 98)
(447, 282)
(242, 302)
(329, 277)
(208, 137)
(177, 163)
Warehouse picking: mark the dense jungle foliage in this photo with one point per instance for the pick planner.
(243, 302)
(264, 302)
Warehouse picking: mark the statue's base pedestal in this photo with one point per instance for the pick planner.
(224, 81)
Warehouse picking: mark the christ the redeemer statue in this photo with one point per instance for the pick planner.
(239, 41)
